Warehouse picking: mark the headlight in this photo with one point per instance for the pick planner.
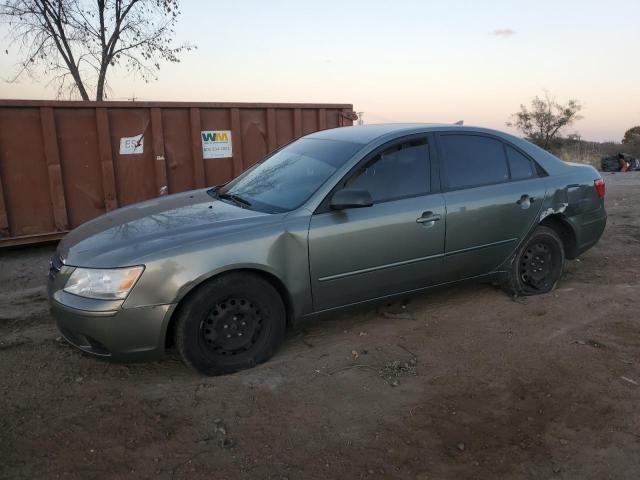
(104, 284)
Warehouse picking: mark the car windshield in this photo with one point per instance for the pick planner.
(288, 178)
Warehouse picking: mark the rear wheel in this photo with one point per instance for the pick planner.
(232, 322)
(537, 266)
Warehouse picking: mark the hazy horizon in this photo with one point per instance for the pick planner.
(409, 61)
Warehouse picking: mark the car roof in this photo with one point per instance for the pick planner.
(364, 134)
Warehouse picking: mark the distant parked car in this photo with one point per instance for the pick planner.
(337, 218)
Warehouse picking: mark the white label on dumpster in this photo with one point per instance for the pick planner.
(131, 145)
(216, 144)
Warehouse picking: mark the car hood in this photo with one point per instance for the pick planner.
(132, 234)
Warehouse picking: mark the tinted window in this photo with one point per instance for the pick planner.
(288, 178)
(473, 160)
(396, 172)
(519, 165)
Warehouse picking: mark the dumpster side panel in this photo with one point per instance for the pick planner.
(63, 163)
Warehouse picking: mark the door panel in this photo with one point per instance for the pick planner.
(492, 201)
(484, 224)
(364, 253)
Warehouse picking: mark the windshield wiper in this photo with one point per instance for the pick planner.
(237, 199)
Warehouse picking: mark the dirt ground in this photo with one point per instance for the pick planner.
(461, 383)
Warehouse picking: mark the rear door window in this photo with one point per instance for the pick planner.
(473, 160)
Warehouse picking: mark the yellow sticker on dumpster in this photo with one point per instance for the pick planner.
(216, 144)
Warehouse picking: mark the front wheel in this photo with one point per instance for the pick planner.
(230, 323)
(537, 266)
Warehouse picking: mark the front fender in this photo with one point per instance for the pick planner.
(278, 250)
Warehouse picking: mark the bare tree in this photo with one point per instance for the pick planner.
(75, 42)
(545, 119)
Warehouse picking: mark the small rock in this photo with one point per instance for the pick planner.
(355, 354)
(78, 379)
(217, 421)
(556, 470)
(461, 446)
(395, 383)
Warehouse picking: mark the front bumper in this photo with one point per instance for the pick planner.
(105, 328)
(126, 335)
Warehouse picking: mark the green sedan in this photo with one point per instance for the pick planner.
(339, 218)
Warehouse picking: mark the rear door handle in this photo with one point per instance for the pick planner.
(525, 201)
(428, 218)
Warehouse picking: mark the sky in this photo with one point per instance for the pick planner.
(402, 60)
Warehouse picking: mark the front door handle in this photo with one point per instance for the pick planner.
(525, 201)
(428, 218)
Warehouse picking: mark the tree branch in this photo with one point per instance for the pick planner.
(85, 39)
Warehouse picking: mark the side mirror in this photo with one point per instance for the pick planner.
(351, 198)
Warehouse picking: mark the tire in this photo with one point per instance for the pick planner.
(230, 323)
(537, 266)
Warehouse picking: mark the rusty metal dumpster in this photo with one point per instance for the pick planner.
(63, 163)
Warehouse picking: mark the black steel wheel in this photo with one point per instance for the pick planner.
(233, 326)
(538, 265)
(230, 323)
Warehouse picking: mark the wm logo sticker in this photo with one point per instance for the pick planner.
(215, 137)
(216, 144)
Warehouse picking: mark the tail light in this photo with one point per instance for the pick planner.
(599, 184)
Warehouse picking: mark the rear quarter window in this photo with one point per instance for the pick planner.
(519, 165)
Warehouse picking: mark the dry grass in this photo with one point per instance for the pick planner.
(570, 155)
(591, 153)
